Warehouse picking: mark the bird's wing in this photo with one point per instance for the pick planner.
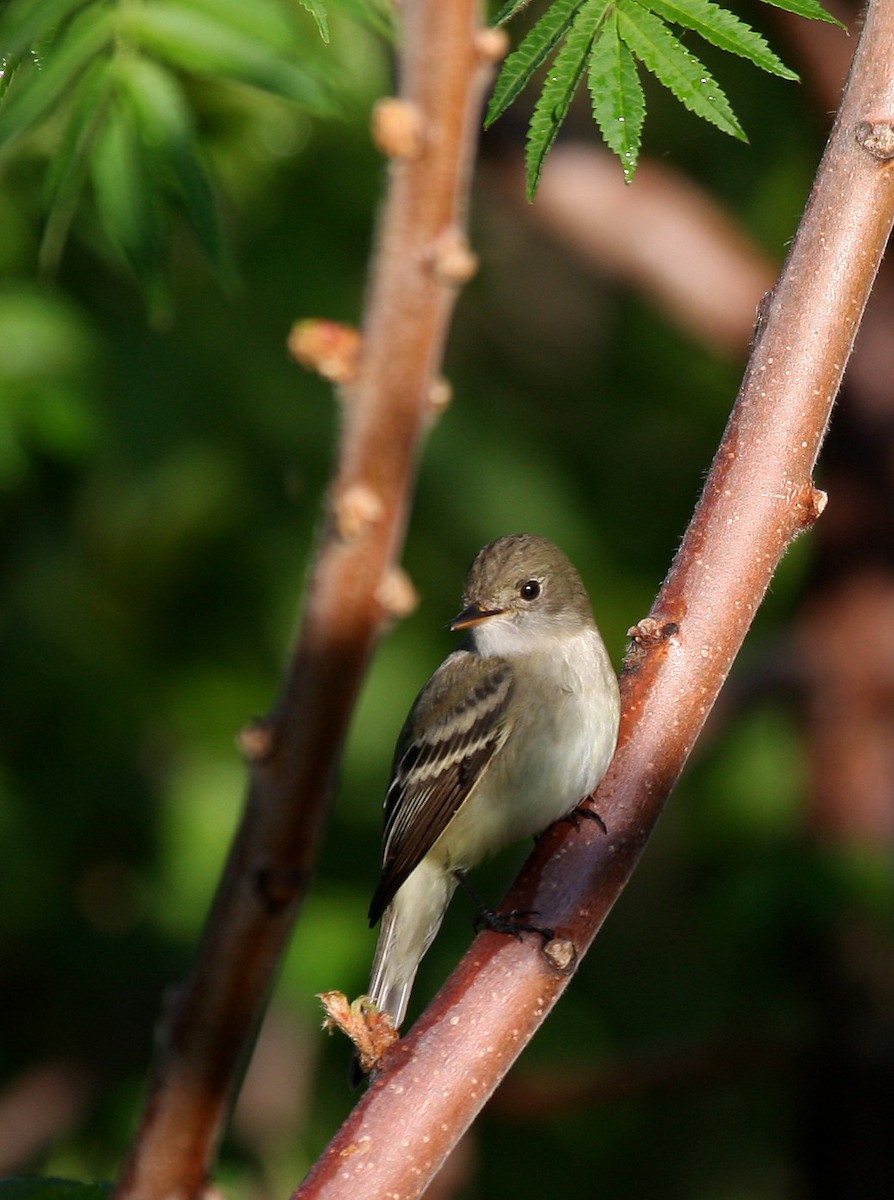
(453, 731)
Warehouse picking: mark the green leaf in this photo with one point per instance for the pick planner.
(510, 9)
(318, 12)
(562, 80)
(69, 165)
(807, 8)
(124, 191)
(33, 95)
(720, 27)
(200, 43)
(164, 121)
(619, 106)
(534, 49)
(24, 23)
(680, 71)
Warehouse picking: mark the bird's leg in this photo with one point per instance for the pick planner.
(512, 923)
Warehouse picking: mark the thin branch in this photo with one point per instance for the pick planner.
(420, 261)
(758, 497)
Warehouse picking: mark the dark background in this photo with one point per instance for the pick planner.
(160, 483)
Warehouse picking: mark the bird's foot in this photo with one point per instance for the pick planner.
(512, 923)
(582, 813)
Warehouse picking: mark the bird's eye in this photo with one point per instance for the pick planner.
(529, 590)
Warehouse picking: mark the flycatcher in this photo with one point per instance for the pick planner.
(512, 731)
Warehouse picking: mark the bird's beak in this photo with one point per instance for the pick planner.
(473, 615)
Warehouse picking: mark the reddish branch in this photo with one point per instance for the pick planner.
(420, 260)
(758, 497)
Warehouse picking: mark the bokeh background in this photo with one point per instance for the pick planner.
(161, 471)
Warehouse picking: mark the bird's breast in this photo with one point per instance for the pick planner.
(561, 743)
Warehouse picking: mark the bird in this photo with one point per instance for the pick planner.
(513, 730)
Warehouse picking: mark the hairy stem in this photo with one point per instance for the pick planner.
(420, 261)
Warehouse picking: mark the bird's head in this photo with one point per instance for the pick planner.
(525, 583)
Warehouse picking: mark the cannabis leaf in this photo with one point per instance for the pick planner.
(619, 106)
(561, 83)
(107, 89)
(608, 40)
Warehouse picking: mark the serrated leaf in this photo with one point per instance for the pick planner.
(318, 12)
(24, 24)
(677, 68)
(619, 106)
(533, 50)
(510, 9)
(200, 43)
(807, 8)
(562, 80)
(32, 98)
(164, 121)
(720, 27)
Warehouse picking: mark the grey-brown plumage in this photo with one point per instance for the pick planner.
(511, 732)
(439, 758)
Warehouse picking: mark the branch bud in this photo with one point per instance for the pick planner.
(492, 44)
(330, 348)
(561, 953)
(396, 593)
(256, 741)
(398, 128)
(453, 261)
(652, 631)
(356, 509)
(876, 137)
(440, 395)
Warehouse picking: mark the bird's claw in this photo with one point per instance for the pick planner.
(512, 923)
(582, 813)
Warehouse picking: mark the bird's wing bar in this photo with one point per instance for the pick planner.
(440, 758)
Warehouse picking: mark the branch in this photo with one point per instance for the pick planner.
(421, 259)
(757, 498)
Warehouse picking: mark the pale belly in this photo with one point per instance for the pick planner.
(541, 775)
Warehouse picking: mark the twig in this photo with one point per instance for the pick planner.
(420, 261)
(757, 498)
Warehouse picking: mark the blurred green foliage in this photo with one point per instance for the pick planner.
(160, 488)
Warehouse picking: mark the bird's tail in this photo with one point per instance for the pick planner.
(409, 925)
